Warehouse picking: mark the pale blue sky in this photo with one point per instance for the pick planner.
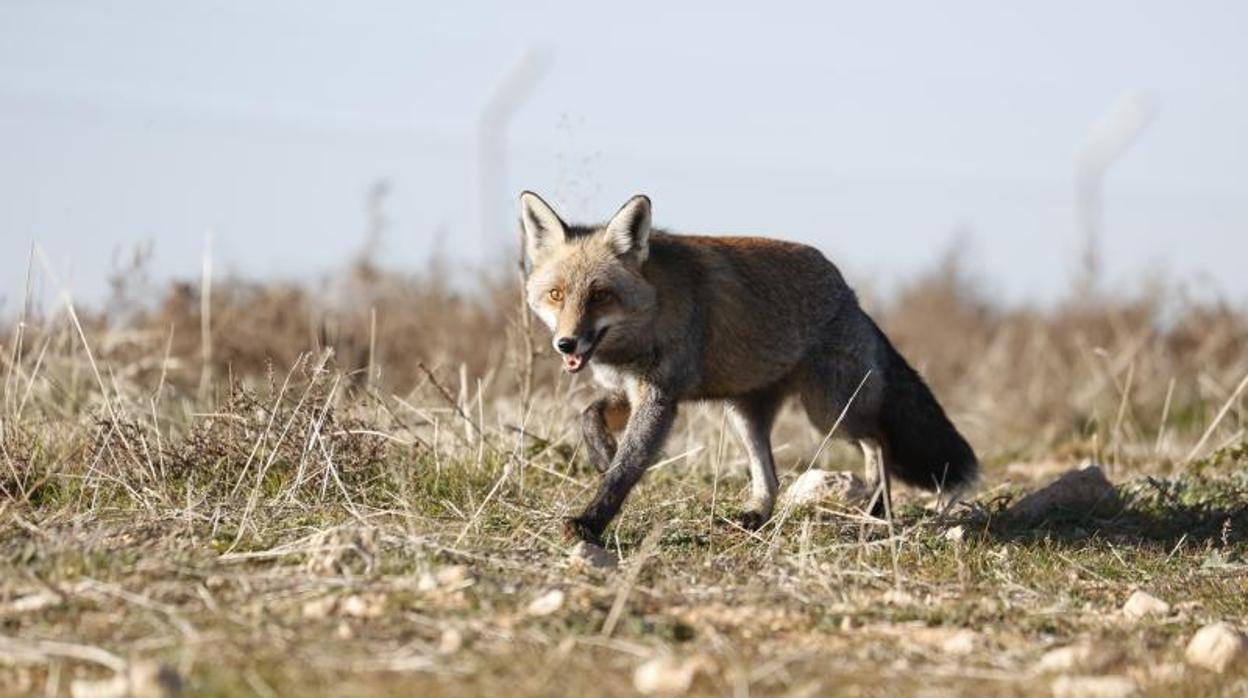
(877, 131)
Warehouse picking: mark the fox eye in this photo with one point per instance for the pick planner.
(555, 294)
(599, 296)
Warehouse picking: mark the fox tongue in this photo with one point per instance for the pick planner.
(573, 361)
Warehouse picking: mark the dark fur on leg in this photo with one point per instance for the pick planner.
(596, 428)
(574, 529)
(751, 520)
(648, 426)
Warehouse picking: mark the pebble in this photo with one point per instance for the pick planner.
(1142, 604)
(1072, 659)
(1094, 687)
(1217, 647)
(816, 485)
(547, 603)
(592, 555)
(1083, 490)
(667, 675)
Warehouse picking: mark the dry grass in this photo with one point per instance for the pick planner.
(350, 499)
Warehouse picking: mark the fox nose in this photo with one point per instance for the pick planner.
(566, 345)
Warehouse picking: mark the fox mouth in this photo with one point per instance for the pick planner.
(575, 362)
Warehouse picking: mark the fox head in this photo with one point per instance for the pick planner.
(586, 282)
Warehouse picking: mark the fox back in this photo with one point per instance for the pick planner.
(745, 310)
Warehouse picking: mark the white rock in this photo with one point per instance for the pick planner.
(955, 642)
(667, 675)
(1142, 604)
(1083, 490)
(449, 578)
(592, 555)
(816, 485)
(960, 643)
(1168, 672)
(1062, 659)
(899, 597)
(319, 608)
(35, 602)
(453, 576)
(547, 603)
(1073, 658)
(1094, 687)
(1217, 647)
(143, 679)
(450, 642)
(154, 680)
(955, 534)
(116, 687)
(357, 606)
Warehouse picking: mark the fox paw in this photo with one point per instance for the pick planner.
(875, 509)
(600, 465)
(576, 529)
(751, 520)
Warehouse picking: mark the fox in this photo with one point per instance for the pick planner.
(661, 319)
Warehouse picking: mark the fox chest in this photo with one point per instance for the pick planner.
(613, 380)
(608, 378)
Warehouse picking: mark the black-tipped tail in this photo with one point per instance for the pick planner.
(924, 448)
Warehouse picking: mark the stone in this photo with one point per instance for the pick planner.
(154, 680)
(1142, 604)
(667, 675)
(546, 604)
(1094, 687)
(1217, 647)
(1073, 659)
(452, 576)
(817, 485)
(357, 606)
(960, 644)
(1082, 491)
(590, 555)
(142, 679)
(450, 642)
(449, 578)
(32, 603)
(319, 608)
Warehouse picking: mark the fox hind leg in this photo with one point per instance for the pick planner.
(752, 418)
(842, 390)
(881, 503)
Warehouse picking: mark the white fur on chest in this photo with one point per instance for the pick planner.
(616, 381)
(608, 377)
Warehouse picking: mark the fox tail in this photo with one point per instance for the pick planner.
(924, 448)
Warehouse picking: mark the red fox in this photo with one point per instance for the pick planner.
(661, 319)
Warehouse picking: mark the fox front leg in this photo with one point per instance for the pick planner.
(648, 424)
(603, 417)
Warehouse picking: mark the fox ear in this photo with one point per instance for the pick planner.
(629, 229)
(543, 230)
